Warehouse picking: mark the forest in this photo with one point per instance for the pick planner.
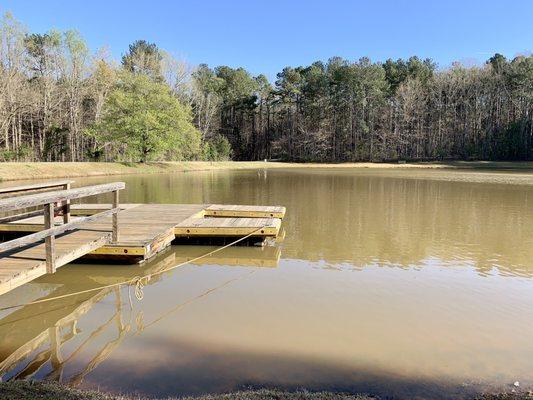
(60, 102)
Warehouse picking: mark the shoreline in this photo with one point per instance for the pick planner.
(13, 171)
(38, 390)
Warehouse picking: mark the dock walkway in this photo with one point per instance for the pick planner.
(145, 229)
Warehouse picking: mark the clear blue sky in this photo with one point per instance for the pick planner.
(264, 36)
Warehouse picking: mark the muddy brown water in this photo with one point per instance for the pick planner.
(396, 283)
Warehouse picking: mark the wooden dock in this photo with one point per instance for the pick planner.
(112, 232)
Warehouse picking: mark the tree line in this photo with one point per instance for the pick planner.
(58, 102)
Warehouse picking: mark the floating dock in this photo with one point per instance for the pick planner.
(130, 233)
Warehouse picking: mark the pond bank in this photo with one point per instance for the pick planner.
(29, 390)
(10, 171)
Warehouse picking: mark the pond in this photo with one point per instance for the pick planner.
(389, 282)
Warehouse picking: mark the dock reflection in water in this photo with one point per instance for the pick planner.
(32, 338)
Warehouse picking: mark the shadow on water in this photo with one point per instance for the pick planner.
(192, 369)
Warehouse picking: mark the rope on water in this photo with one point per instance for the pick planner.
(138, 281)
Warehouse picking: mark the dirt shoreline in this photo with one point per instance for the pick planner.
(34, 390)
(39, 390)
(10, 171)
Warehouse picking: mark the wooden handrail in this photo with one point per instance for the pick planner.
(56, 230)
(41, 187)
(36, 186)
(24, 215)
(48, 201)
(32, 200)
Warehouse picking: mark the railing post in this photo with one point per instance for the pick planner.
(50, 240)
(66, 206)
(115, 217)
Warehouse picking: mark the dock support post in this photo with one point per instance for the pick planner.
(66, 206)
(115, 217)
(50, 240)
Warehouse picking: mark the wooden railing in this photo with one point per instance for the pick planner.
(65, 184)
(37, 187)
(48, 201)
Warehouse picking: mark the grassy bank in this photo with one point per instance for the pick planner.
(40, 170)
(43, 170)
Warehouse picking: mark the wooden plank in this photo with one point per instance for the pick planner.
(35, 186)
(66, 206)
(121, 250)
(246, 211)
(49, 239)
(34, 200)
(36, 221)
(21, 216)
(161, 242)
(88, 209)
(115, 216)
(261, 227)
(21, 227)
